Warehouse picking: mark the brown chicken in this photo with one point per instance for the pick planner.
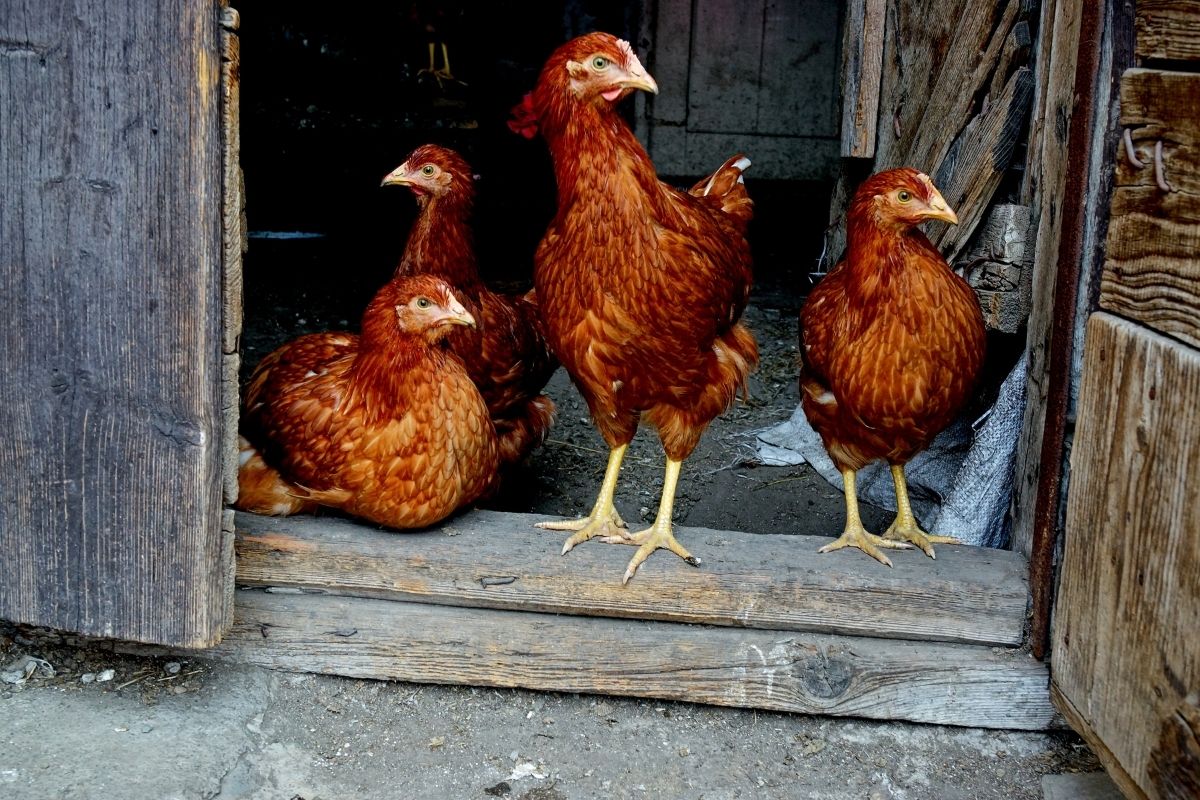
(506, 354)
(893, 342)
(387, 425)
(641, 285)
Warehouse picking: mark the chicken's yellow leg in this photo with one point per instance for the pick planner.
(604, 519)
(904, 528)
(854, 534)
(659, 534)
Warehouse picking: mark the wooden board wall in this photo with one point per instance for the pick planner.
(758, 78)
(1126, 656)
(1152, 273)
(111, 363)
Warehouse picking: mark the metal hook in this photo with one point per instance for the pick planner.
(1160, 176)
(1130, 153)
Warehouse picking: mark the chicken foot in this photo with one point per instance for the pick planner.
(659, 534)
(855, 535)
(604, 519)
(442, 74)
(905, 528)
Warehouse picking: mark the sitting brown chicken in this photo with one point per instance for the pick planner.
(506, 354)
(386, 426)
(893, 341)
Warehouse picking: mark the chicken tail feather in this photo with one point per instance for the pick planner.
(519, 434)
(726, 189)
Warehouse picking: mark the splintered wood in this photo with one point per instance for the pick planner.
(784, 627)
(1126, 653)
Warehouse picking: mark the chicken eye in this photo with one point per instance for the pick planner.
(427, 170)
(599, 63)
(423, 302)
(903, 196)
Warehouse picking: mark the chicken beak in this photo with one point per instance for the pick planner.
(397, 177)
(940, 209)
(457, 315)
(638, 78)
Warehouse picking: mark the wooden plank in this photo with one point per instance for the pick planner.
(1125, 652)
(1168, 29)
(1046, 177)
(499, 560)
(727, 47)
(862, 67)
(111, 362)
(1080, 725)
(233, 244)
(680, 153)
(925, 682)
(797, 89)
(1152, 272)
(978, 160)
(671, 56)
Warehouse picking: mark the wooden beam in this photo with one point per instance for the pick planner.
(862, 68)
(1168, 29)
(944, 684)
(499, 560)
(1152, 273)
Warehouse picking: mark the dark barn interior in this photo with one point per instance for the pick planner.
(331, 103)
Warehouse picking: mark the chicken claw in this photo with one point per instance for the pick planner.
(604, 519)
(905, 528)
(657, 536)
(869, 543)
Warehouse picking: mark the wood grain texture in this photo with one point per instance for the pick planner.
(233, 243)
(1168, 29)
(498, 560)
(998, 265)
(1080, 725)
(977, 162)
(1125, 648)
(1152, 273)
(1057, 54)
(940, 57)
(844, 676)
(111, 363)
(862, 67)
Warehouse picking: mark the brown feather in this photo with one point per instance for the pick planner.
(387, 426)
(892, 339)
(641, 285)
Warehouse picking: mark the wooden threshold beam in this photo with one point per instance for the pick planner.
(946, 684)
(500, 561)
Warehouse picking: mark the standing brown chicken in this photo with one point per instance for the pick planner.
(893, 342)
(641, 285)
(506, 354)
(385, 426)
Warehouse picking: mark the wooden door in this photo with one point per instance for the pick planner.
(1126, 635)
(758, 77)
(111, 398)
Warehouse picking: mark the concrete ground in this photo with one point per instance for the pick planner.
(171, 728)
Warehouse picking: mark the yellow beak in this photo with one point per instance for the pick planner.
(397, 177)
(940, 209)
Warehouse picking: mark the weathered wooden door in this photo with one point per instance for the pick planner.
(111, 366)
(1126, 637)
(758, 77)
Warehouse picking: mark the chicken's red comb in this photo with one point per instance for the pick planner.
(524, 120)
